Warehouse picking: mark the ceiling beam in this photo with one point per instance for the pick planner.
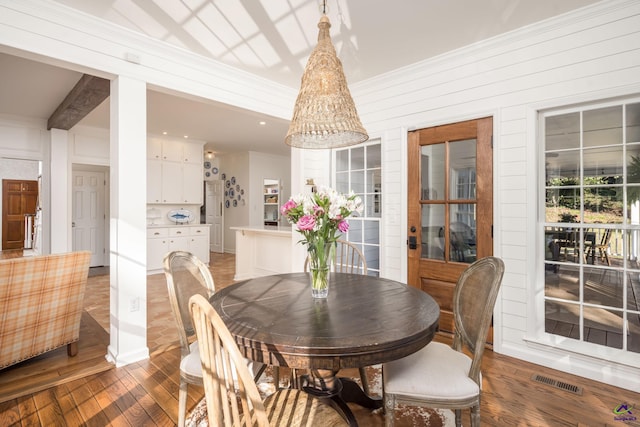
(86, 95)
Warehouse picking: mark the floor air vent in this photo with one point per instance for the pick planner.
(557, 384)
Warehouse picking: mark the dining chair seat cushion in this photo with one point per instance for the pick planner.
(191, 364)
(435, 372)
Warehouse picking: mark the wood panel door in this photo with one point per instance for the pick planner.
(450, 206)
(19, 198)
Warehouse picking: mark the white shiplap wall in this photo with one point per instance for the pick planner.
(588, 55)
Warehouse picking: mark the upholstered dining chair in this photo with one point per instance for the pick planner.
(348, 259)
(443, 376)
(231, 394)
(186, 275)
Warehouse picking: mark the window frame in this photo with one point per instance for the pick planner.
(580, 345)
(377, 198)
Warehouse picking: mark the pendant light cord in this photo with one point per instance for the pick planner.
(324, 7)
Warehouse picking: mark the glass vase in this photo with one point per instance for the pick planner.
(320, 259)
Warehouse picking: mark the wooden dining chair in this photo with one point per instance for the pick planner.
(348, 258)
(443, 376)
(186, 275)
(602, 247)
(231, 394)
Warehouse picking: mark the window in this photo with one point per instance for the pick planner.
(591, 224)
(360, 169)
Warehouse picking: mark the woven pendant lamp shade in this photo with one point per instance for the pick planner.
(324, 115)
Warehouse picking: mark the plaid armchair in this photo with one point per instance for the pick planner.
(41, 301)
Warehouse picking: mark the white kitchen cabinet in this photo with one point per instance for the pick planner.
(199, 243)
(192, 153)
(154, 181)
(161, 240)
(172, 183)
(192, 183)
(157, 247)
(174, 172)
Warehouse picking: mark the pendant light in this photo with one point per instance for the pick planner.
(324, 115)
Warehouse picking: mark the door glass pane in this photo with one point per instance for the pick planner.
(433, 231)
(602, 126)
(462, 233)
(462, 172)
(432, 172)
(562, 132)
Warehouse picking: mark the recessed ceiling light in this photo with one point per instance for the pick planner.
(186, 136)
(262, 123)
(164, 132)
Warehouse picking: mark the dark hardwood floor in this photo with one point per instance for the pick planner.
(145, 393)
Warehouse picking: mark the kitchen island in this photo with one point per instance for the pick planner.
(262, 250)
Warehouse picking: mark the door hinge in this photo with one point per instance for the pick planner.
(492, 231)
(492, 141)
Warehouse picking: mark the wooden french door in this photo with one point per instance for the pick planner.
(450, 207)
(19, 198)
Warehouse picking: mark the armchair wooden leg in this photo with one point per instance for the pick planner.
(72, 348)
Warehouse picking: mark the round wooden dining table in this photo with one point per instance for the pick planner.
(364, 321)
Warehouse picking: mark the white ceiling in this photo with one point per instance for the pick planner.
(272, 39)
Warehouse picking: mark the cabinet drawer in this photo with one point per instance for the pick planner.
(178, 231)
(157, 232)
(199, 231)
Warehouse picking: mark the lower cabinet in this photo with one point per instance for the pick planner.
(162, 240)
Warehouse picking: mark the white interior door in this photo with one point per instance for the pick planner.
(215, 213)
(89, 214)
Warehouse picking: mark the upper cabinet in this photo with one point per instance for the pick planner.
(174, 172)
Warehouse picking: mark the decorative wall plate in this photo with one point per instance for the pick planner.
(215, 170)
(180, 216)
(226, 203)
(235, 203)
(223, 176)
(207, 174)
(228, 184)
(207, 165)
(233, 180)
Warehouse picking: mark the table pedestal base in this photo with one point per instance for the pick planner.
(338, 391)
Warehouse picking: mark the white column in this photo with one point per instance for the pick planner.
(128, 222)
(60, 192)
